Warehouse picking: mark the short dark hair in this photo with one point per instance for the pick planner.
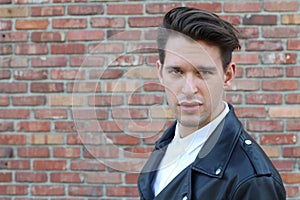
(199, 25)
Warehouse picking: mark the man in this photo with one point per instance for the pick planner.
(205, 154)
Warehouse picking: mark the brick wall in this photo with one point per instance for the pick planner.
(80, 103)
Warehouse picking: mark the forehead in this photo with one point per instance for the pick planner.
(183, 49)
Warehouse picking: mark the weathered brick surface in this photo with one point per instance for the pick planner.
(81, 105)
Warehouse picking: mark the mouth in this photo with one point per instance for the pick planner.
(190, 106)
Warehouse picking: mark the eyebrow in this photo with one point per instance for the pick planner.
(198, 68)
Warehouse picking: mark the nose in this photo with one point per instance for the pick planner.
(190, 87)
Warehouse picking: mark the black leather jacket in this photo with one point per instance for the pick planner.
(230, 166)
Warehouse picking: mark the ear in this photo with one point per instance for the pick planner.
(229, 74)
(159, 71)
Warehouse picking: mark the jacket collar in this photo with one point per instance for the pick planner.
(210, 161)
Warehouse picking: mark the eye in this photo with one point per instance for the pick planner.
(175, 70)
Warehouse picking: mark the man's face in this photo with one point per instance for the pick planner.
(194, 80)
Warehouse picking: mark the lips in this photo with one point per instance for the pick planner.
(190, 106)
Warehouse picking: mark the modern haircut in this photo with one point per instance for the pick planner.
(199, 25)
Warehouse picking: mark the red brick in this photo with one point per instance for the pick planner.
(115, 22)
(58, 61)
(13, 12)
(264, 99)
(66, 177)
(161, 8)
(124, 35)
(14, 113)
(291, 151)
(13, 87)
(279, 6)
(69, 23)
(293, 125)
(64, 152)
(84, 87)
(47, 11)
(30, 74)
(46, 87)
(44, 139)
(85, 35)
(67, 100)
(51, 114)
(31, 49)
(14, 37)
(5, 49)
(13, 190)
(124, 9)
(4, 101)
(292, 98)
(260, 20)
(153, 86)
(244, 85)
(16, 164)
(6, 126)
(234, 98)
(4, 74)
(34, 126)
(144, 99)
(5, 1)
(33, 152)
(68, 1)
(122, 86)
(232, 19)
(32, 24)
(67, 49)
(123, 139)
(292, 71)
(290, 178)
(80, 190)
(86, 61)
(118, 191)
(12, 139)
(103, 100)
(250, 112)
(111, 47)
(245, 59)
(137, 152)
(47, 190)
(30, 1)
(86, 10)
(131, 165)
(67, 74)
(280, 32)
(293, 44)
(265, 125)
(6, 152)
(131, 178)
(28, 100)
(5, 177)
(144, 21)
(123, 60)
(48, 37)
(101, 152)
(284, 165)
(84, 138)
(106, 74)
(146, 126)
(87, 165)
(242, 6)
(90, 114)
(49, 164)
(262, 45)
(280, 85)
(31, 177)
(5, 25)
(129, 113)
(292, 191)
(276, 139)
(279, 58)
(284, 112)
(290, 19)
(259, 72)
(104, 178)
(65, 126)
(248, 32)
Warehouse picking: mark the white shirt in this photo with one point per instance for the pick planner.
(181, 152)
